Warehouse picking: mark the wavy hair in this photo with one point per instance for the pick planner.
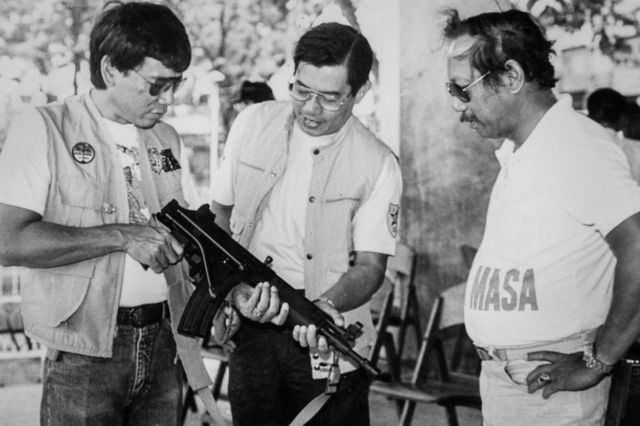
(501, 36)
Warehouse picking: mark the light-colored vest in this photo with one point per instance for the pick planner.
(344, 174)
(73, 307)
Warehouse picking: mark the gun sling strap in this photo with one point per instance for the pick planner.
(316, 404)
(210, 405)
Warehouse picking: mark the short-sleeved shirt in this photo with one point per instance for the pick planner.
(281, 236)
(23, 162)
(544, 271)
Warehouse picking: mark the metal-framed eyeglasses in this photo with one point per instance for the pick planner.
(327, 102)
(162, 84)
(461, 92)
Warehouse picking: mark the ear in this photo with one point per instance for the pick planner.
(514, 77)
(108, 71)
(363, 91)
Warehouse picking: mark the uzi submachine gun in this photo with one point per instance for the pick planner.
(217, 263)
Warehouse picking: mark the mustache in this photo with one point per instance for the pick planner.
(466, 118)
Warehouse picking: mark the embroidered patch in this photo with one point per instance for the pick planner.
(392, 219)
(83, 152)
(155, 159)
(169, 162)
(162, 161)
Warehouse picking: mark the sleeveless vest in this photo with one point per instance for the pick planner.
(344, 174)
(73, 307)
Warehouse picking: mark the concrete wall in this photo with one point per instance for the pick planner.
(448, 169)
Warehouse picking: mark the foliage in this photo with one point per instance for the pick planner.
(239, 38)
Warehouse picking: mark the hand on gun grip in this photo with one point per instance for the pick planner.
(260, 303)
(154, 247)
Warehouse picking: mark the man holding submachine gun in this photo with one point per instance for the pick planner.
(304, 183)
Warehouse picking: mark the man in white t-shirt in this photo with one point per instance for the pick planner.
(102, 283)
(305, 184)
(552, 296)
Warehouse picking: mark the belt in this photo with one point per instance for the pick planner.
(568, 345)
(488, 354)
(143, 315)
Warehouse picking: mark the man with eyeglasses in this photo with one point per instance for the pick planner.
(553, 294)
(102, 283)
(305, 183)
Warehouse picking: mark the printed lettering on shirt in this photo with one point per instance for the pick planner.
(495, 290)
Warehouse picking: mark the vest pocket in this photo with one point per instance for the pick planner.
(337, 264)
(339, 212)
(83, 200)
(51, 298)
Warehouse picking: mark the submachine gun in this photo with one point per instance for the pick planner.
(217, 263)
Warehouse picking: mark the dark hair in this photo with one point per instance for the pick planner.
(501, 36)
(336, 44)
(606, 106)
(129, 32)
(630, 120)
(254, 92)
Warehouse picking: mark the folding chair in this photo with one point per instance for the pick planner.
(404, 312)
(444, 342)
(384, 338)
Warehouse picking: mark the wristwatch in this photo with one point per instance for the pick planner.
(591, 360)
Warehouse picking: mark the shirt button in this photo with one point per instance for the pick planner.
(309, 256)
(316, 151)
(312, 199)
(108, 208)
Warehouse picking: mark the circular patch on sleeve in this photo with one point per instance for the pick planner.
(83, 152)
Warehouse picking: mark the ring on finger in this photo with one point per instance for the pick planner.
(257, 313)
(544, 378)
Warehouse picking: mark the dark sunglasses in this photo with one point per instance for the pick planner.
(162, 84)
(461, 92)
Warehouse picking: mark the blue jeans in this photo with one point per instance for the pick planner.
(270, 382)
(140, 385)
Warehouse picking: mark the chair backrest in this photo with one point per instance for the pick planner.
(401, 271)
(446, 342)
(398, 276)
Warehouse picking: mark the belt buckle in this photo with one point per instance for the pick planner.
(136, 317)
(486, 354)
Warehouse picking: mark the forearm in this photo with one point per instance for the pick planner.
(356, 286)
(622, 325)
(44, 244)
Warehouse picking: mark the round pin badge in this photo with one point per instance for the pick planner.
(83, 152)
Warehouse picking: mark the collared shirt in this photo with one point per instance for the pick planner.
(544, 270)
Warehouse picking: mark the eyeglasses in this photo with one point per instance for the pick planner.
(461, 92)
(162, 84)
(327, 102)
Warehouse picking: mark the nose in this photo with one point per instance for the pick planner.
(166, 97)
(458, 105)
(312, 104)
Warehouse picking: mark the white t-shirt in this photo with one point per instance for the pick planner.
(23, 163)
(544, 271)
(282, 236)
